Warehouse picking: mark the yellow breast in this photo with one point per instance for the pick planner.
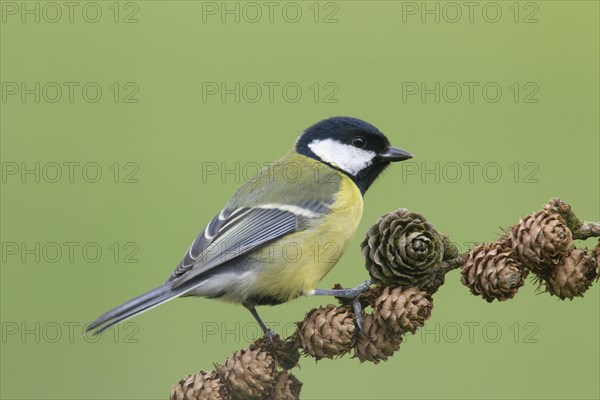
(299, 261)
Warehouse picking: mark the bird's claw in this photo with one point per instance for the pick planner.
(270, 335)
(357, 306)
(363, 287)
(347, 297)
(358, 316)
(354, 293)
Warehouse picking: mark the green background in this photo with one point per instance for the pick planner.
(170, 132)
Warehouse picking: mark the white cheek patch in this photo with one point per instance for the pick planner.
(344, 156)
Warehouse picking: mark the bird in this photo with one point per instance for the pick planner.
(284, 229)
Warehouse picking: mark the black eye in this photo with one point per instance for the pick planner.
(359, 141)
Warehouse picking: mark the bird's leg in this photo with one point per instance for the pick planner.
(268, 332)
(345, 293)
(353, 294)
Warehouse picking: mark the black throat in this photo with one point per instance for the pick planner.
(363, 180)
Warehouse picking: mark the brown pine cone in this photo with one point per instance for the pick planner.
(491, 272)
(287, 387)
(326, 332)
(541, 240)
(573, 276)
(380, 344)
(203, 386)
(402, 249)
(402, 310)
(249, 374)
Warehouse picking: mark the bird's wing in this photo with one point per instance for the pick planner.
(235, 232)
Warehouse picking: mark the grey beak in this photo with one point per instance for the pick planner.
(395, 154)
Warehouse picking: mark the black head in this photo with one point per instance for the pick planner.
(352, 146)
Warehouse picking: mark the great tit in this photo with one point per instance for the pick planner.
(284, 229)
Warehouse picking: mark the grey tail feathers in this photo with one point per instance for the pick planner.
(138, 305)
